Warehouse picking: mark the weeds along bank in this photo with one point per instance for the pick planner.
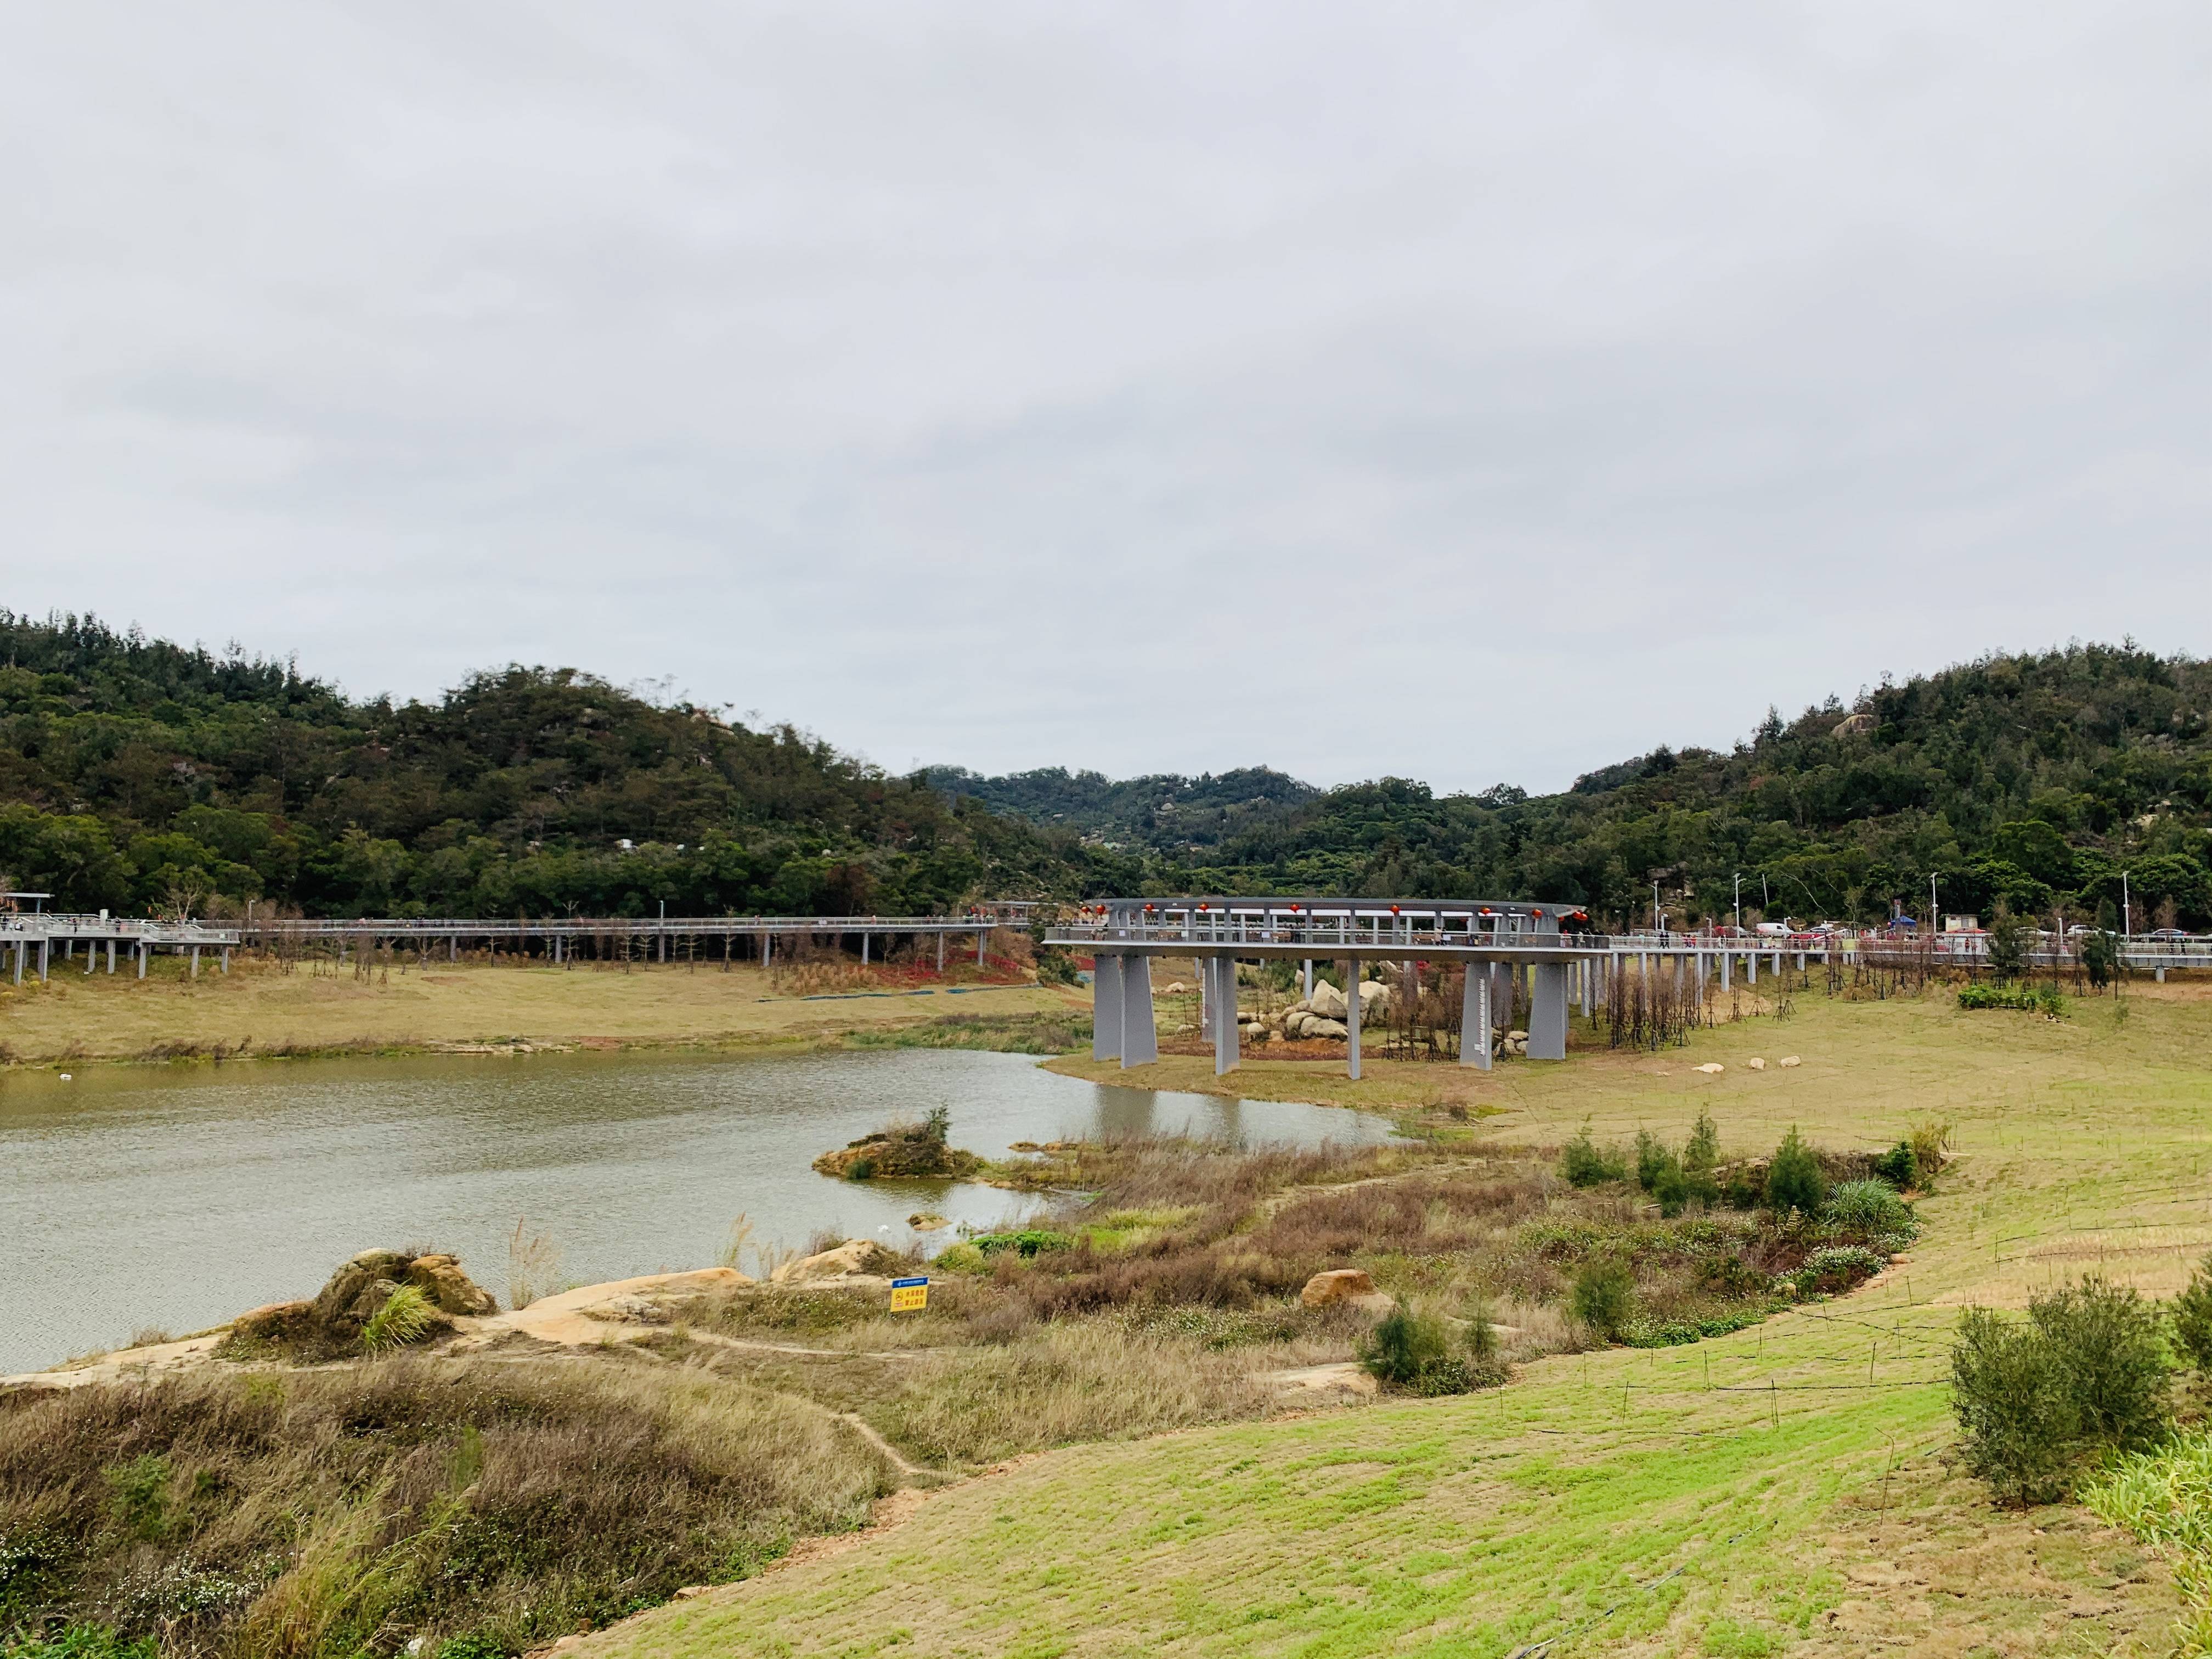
(261, 1010)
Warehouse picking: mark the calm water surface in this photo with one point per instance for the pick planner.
(130, 1197)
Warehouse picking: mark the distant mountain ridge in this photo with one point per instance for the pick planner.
(1166, 812)
(137, 774)
(2076, 778)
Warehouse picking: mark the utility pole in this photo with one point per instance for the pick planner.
(2127, 911)
(1739, 901)
(1655, 907)
(1931, 904)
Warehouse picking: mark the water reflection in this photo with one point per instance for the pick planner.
(133, 1197)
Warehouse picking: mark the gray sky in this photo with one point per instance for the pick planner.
(1468, 392)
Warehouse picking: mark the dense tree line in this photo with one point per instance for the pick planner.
(2032, 779)
(137, 774)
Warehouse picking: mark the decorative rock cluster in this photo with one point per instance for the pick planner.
(1318, 1017)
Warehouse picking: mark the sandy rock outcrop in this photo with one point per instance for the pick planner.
(856, 1258)
(1344, 1287)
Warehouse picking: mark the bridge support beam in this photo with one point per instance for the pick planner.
(45, 956)
(1475, 1018)
(940, 951)
(865, 937)
(1351, 1017)
(1106, 1007)
(142, 954)
(111, 959)
(1224, 1014)
(1547, 1012)
(1141, 1038)
(1309, 993)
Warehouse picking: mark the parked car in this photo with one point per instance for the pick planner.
(2169, 933)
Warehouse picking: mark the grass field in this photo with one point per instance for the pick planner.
(1785, 1489)
(257, 1008)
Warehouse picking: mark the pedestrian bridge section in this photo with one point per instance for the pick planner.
(1545, 946)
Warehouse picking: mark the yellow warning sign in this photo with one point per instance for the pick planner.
(910, 1295)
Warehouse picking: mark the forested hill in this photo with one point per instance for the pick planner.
(1181, 817)
(2034, 778)
(138, 776)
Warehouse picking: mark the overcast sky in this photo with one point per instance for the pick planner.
(1466, 392)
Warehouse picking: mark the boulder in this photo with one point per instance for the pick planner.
(275, 1320)
(1338, 1284)
(1327, 1001)
(1516, 1036)
(1373, 997)
(1337, 1029)
(1348, 1287)
(1756, 1063)
(1788, 1060)
(926, 1221)
(1711, 1068)
(360, 1286)
(450, 1290)
(856, 1258)
(1176, 988)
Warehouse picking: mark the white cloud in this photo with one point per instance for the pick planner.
(1465, 394)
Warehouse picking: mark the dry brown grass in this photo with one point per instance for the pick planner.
(257, 1009)
(320, 1513)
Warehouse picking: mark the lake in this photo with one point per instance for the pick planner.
(174, 1198)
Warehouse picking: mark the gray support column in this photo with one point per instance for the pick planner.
(91, 951)
(142, 954)
(226, 958)
(940, 950)
(45, 956)
(1351, 1017)
(1475, 1018)
(195, 962)
(1589, 992)
(1225, 1055)
(19, 961)
(768, 949)
(1106, 1007)
(1141, 1038)
(1727, 966)
(453, 947)
(1751, 967)
(1547, 1012)
(863, 947)
(981, 933)
(111, 959)
(1308, 979)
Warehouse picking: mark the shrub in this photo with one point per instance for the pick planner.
(2100, 957)
(860, 1169)
(1585, 1164)
(1703, 1149)
(78, 1641)
(1655, 1158)
(1869, 1208)
(1604, 1295)
(1026, 1244)
(1931, 1138)
(2008, 947)
(2192, 1317)
(1794, 1180)
(2086, 1370)
(1898, 1166)
(406, 1316)
(1412, 1351)
(2022, 1431)
(2116, 1364)
(1999, 996)
(1486, 1363)
(1831, 1271)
